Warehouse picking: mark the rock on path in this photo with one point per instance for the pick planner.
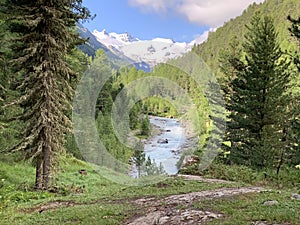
(165, 211)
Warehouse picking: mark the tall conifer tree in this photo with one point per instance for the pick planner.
(258, 105)
(46, 34)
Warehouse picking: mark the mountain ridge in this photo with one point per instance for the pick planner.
(143, 54)
(154, 51)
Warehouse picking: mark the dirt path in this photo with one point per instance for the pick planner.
(177, 209)
(170, 210)
(208, 180)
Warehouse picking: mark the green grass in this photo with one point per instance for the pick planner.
(97, 200)
(245, 209)
(80, 214)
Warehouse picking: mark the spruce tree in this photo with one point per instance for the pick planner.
(139, 157)
(258, 105)
(145, 126)
(45, 32)
(230, 64)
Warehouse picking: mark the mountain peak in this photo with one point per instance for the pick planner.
(101, 34)
(122, 38)
(104, 32)
(127, 37)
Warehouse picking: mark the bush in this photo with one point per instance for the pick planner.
(289, 177)
(233, 173)
(145, 126)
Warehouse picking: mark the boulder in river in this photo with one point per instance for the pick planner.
(163, 141)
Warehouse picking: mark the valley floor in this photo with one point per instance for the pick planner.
(181, 199)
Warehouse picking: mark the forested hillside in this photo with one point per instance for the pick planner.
(255, 58)
(217, 41)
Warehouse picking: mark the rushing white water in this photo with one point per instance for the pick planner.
(166, 153)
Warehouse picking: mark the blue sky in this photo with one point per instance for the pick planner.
(182, 20)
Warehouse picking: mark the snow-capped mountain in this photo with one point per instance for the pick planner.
(151, 52)
(125, 49)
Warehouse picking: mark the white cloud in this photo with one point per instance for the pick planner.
(153, 5)
(211, 13)
(203, 37)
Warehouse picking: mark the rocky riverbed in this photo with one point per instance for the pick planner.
(169, 141)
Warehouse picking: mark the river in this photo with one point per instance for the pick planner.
(166, 153)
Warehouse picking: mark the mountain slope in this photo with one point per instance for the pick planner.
(118, 58)
(278, 9)
(92, 45)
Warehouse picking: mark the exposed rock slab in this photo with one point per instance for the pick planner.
(165, 211)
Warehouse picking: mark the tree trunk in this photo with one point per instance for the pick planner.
(281, 161)
(46, 167)
(39, 174)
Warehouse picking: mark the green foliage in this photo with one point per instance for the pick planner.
(9, 195)
(110, 141)
(257, 101)
(295, 32)
(159, 107)
(288, 178)
(238, 173)
(104, 100)
(145, 126)
(276, 143)
(134, 116)
(145, 167)
(44, 37)
(71, 146)
(155, 103)
(139, 157)
(151, 168)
